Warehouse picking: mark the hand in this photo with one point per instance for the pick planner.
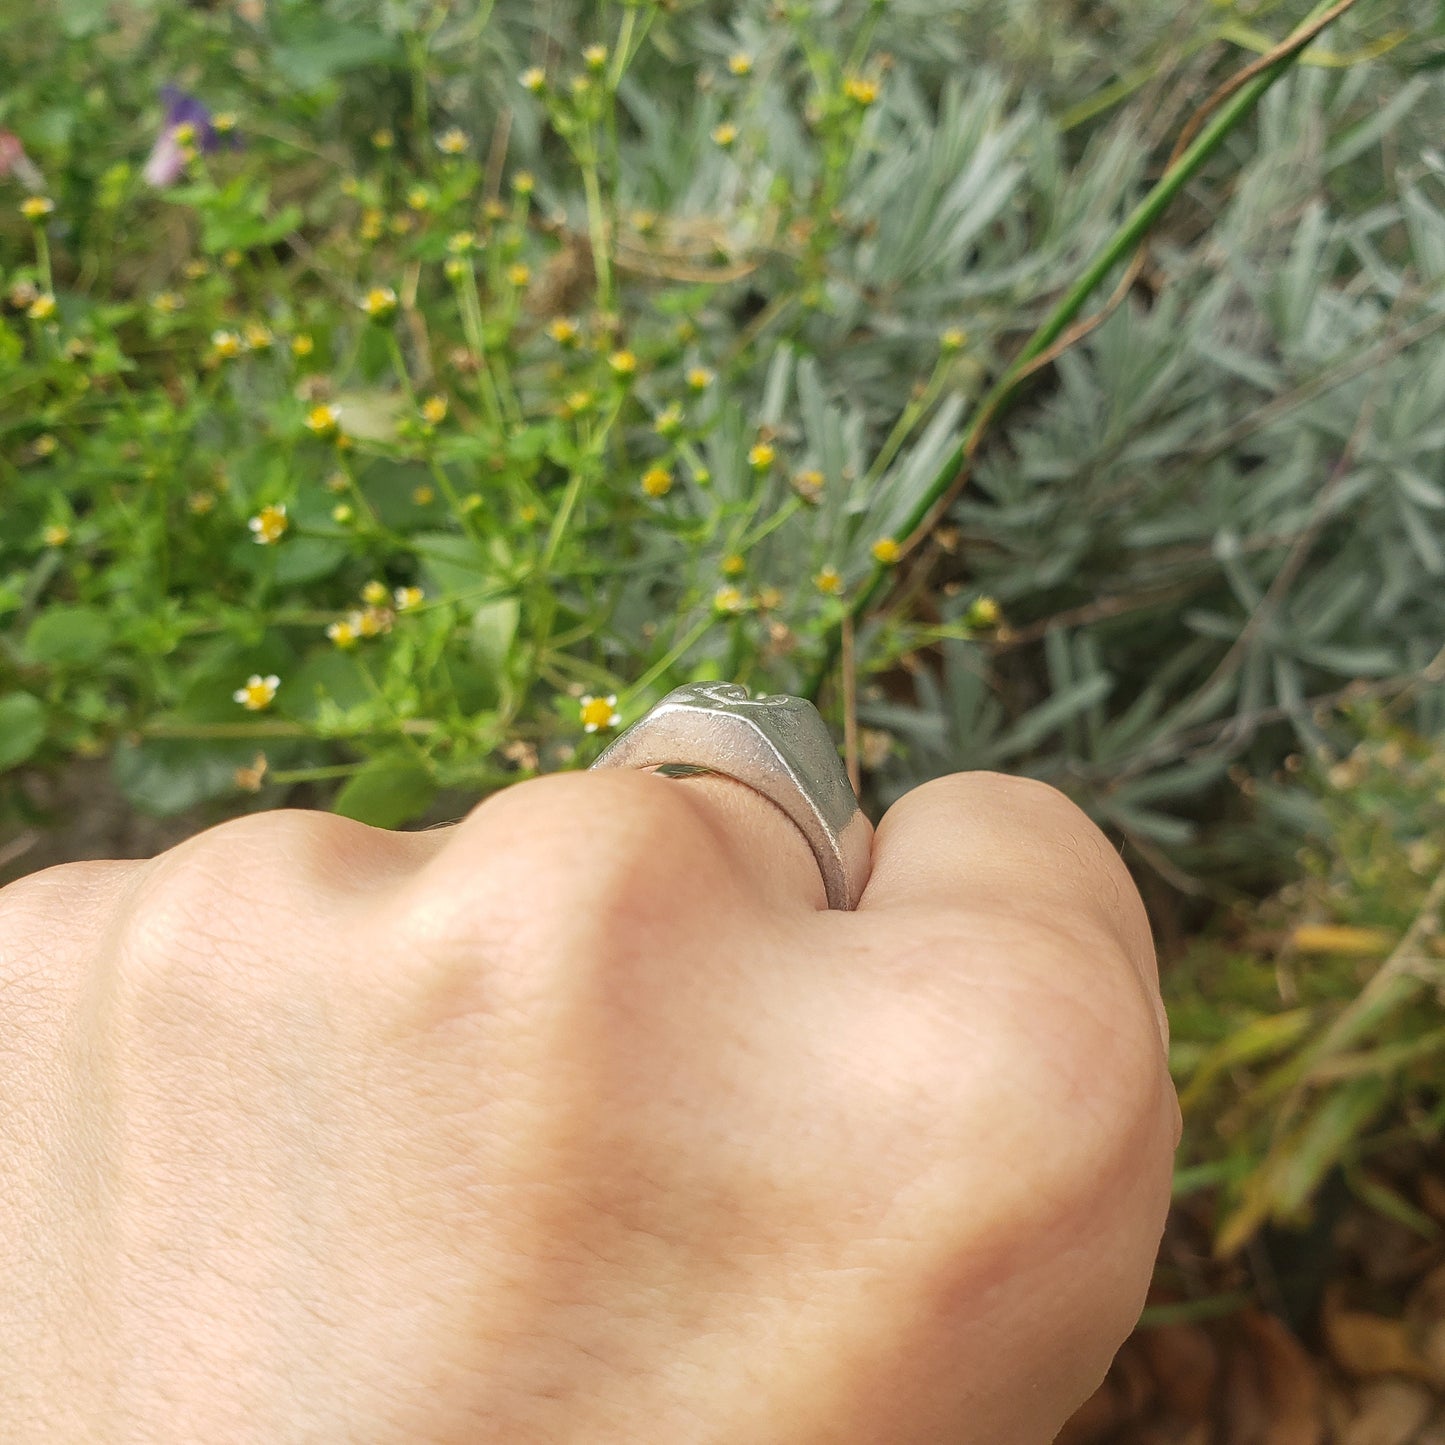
(581, 1121)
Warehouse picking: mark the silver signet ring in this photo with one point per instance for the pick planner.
(777, 745)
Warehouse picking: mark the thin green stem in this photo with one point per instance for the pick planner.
(680, 649)
(597, 227)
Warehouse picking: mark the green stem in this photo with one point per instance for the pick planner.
(660, 667)
(597, 228)
(1123, 243)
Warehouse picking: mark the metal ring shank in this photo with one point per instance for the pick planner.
(780, 747)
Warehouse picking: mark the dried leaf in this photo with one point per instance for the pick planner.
(1274, 1395)
(1342, 938)
(1367, 1345)
(1390, 1412)
(1184, 1363)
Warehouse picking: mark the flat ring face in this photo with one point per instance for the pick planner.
(777, 745)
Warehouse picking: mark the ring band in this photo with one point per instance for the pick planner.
(776, 744)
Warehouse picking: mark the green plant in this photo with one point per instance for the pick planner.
(499, 367)
(1319, 1039)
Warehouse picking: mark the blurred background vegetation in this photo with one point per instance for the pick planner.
(398, 396)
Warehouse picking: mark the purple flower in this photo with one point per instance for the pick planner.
(167, 159)
(14, 162)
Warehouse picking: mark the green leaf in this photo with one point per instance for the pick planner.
(309, 62)
(68, 636)
(170, 775)
(82, 18)
(494, 626)
(387, 792)
(22, 728)
(307, 559)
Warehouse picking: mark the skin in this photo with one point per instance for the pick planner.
(580, 1121)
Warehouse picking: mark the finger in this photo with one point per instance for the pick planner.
(702, 837)
(997, 844)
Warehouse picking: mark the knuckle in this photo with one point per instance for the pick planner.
(59, 891)
(252, 875)
(583, 873)
(584, 842)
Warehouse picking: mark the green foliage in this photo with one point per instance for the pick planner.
(450, 394)
(1322, 1039)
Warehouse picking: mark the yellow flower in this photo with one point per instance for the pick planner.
(379, 303)
(184, 134)
(323, 419)
(643, 222)
(829, 580)
(407, 597)
(258, 693)
(383, 139)
(343, 632)
(258, 337)
(599, 712)
(563, 330)
(595, 56)
(761, 457)
(35, 208)
(453, 141)
(527, 513)
(983, 612)
(733, 565)
(493, 209)
(44, 446)
(860, 91)
(418, 198)
(195, 269)
(740, 63)
(725, 134)
(342, 513)
(55, 535)
(224, 121)
(434, 410)
(668, 422)
(423, 495)
(372, 621)
(809, 484)
(471, 501)
(462, 242)
(42, 308)
(624, 363)
(168, 302)
(657, 481)
(199, 503)
(699, 378)
(454, 268)
(375, 592)
(576, 403)
(233, 257)
(302, 345)
(269, 524)
(702, 476)
(519, 274)
(371, 223)
(728, 599)
(886, 551)
(534, 78)
(524, 183)
(225, 344)
(954, 339)
(769, 598)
